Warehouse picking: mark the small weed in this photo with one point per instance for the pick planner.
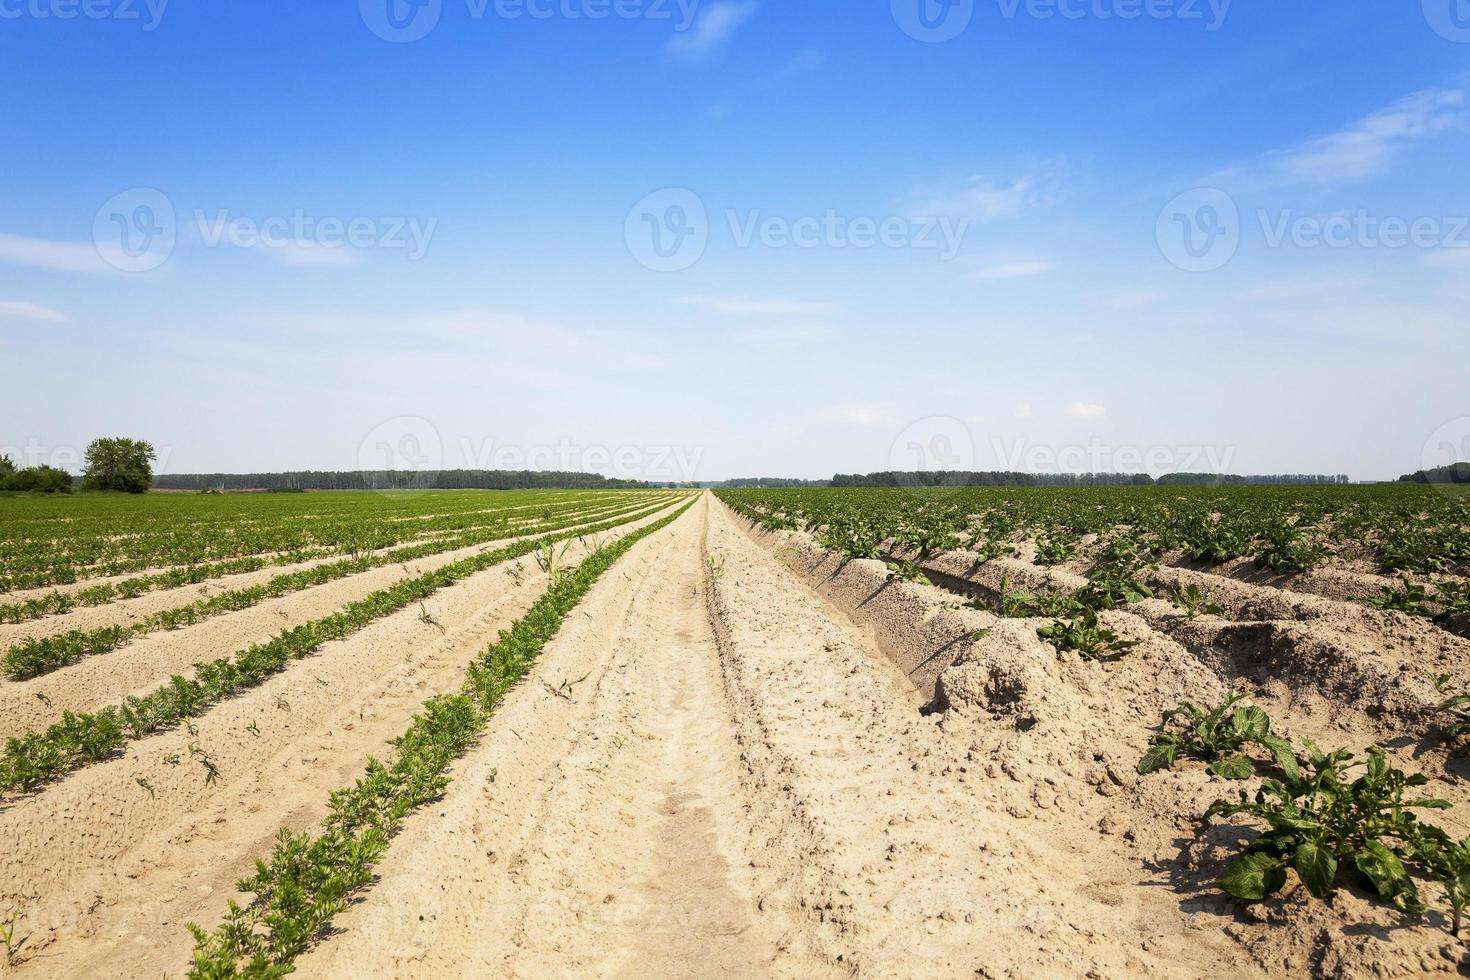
(1195, 602)
(1087, 636)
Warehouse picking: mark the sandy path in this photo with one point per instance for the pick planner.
(595, 834)
(149, 661)
(107, 874)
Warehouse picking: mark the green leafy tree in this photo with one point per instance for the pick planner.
(7, 470)
(124, 465)
(39, 479)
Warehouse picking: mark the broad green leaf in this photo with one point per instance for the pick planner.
(1251, 723)
(1280, 748)
(1161, 756)
(1316, 866)
(1235, 767)
(1253, 877)
(1386, 872)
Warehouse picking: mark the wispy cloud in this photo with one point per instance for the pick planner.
(1011, 270)
(861, 415)
(1364, 149)
(21, 310)
(986, 198)
(316, 256)
(741, 306)
(1123, 299)
(786, 333)
(1084, 410)
(713, 30)
(41, 253)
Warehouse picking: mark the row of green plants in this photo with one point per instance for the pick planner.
(44, 541)
(310, 877)
(58, 602)
(37, 656)
(79, 739)
(1403, 528)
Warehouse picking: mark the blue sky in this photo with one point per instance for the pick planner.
(1075, 234)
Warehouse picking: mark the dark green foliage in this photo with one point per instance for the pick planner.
(118, 464)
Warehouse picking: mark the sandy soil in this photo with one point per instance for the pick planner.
(106, 871)
(744, 757)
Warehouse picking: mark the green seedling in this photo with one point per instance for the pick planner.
(1087, 636)
(146, 786)
(1454, 706)
(1195, 602)
(906, 571)
(1216, 737)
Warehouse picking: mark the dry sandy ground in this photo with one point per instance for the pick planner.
(741, 757)
(105, 871)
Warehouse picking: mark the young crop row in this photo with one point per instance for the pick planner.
(100, 539)
(310, 877)
(1402, 528)
(37, 758)
(37, 656)
(56, 603)
(1335, 815)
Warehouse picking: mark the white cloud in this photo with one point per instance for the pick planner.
(1306, 290)
(41, 253)
(1449, 258)
(984, 198)
(1082, 410)
(1124, 299)
(862, 415)
(785, 334)
(1011, 270)
(315, 256)
(1366, 148)
(710, 33)
(741, 306)
(20, 310)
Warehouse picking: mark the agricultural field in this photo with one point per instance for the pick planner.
(1149, 731)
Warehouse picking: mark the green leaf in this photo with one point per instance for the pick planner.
(1251, 723)
(1316, 866)
(1281, 750)
(1386, 872)
(1235, 767)
(1253, 877)
(1161, 756)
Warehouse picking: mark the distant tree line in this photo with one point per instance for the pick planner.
(391, 480)
(769, 482)
(1458, 473)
